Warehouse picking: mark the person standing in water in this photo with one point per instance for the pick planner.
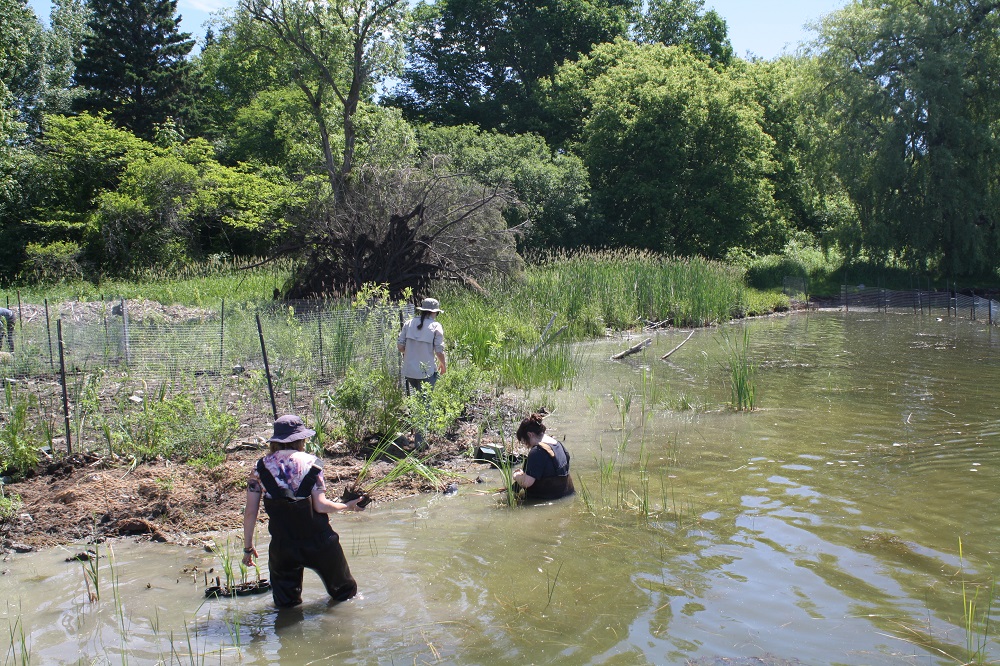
(545, 475)
(290, 482)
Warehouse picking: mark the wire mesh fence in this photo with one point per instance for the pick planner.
(942, 303)
(145, 339)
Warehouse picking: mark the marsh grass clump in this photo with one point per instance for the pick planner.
(977, 611)
(742, 370)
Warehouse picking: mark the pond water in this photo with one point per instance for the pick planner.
(823, 528)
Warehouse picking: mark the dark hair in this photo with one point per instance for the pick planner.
(532, 424)
(423, 315)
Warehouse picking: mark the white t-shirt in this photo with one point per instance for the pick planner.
(420, 345)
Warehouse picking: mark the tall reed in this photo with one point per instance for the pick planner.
(976, 614)
(742, 370)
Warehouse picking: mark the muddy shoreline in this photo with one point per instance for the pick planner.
(85, 498)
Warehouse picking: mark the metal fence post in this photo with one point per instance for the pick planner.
(319, 326)
(222, 337)
(267, 368)
(125, 331)
(20, 321)
(65, 390)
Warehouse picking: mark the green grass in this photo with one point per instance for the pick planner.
(199, 285)
(591, 292)
(518, 332)
(742, 370)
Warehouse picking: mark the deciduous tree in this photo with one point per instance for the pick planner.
(479, 61)
(909, 91)
(678, 158)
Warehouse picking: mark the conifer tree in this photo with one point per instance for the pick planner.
(133, 63)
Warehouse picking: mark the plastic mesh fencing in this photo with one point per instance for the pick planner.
(942, 303)
(300, 338)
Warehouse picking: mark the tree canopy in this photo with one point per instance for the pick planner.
(325, 130)
(133, 63)
(908, 91)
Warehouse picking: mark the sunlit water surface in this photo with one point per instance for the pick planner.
(823, 528)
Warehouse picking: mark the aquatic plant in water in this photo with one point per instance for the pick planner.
(742, 371)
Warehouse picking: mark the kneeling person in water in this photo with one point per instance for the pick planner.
(546, 469)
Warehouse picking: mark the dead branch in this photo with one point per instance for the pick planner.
(665, 356)
(633, 350)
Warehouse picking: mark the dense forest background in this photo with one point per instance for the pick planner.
(383, 141)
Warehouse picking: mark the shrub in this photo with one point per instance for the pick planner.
(51, 263)
(368, 402)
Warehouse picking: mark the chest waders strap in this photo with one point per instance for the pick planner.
(559, 471)
(291, 515)
(277, 492)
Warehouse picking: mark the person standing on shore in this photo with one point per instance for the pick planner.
(421, 342)
(290, 482)
(7, 328)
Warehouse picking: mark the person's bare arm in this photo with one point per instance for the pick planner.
(250, 513)
(322, 505)
(442, 363)
(523, 480)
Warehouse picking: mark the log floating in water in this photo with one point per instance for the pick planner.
(633, 350)
(665, 356)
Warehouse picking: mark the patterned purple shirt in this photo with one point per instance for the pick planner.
(288, 467)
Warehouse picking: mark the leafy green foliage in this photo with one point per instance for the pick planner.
(171, 427)
(128, 204)
(52, 262)
(684, 23)
(10, 505)
(22, 68)
(437, 410)
(677, 155)
(551, 187)
(479, 61)
(910, 110)
(369, 402)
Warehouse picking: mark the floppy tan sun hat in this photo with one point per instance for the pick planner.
(430, 305)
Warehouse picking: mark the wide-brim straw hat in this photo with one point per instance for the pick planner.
(430, 305)
(290, 428)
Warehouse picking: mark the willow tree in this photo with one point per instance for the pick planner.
(908, 89)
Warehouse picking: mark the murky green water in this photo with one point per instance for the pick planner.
(822, 528)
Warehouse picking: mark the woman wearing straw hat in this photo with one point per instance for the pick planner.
(291, 483)
(421, 342)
